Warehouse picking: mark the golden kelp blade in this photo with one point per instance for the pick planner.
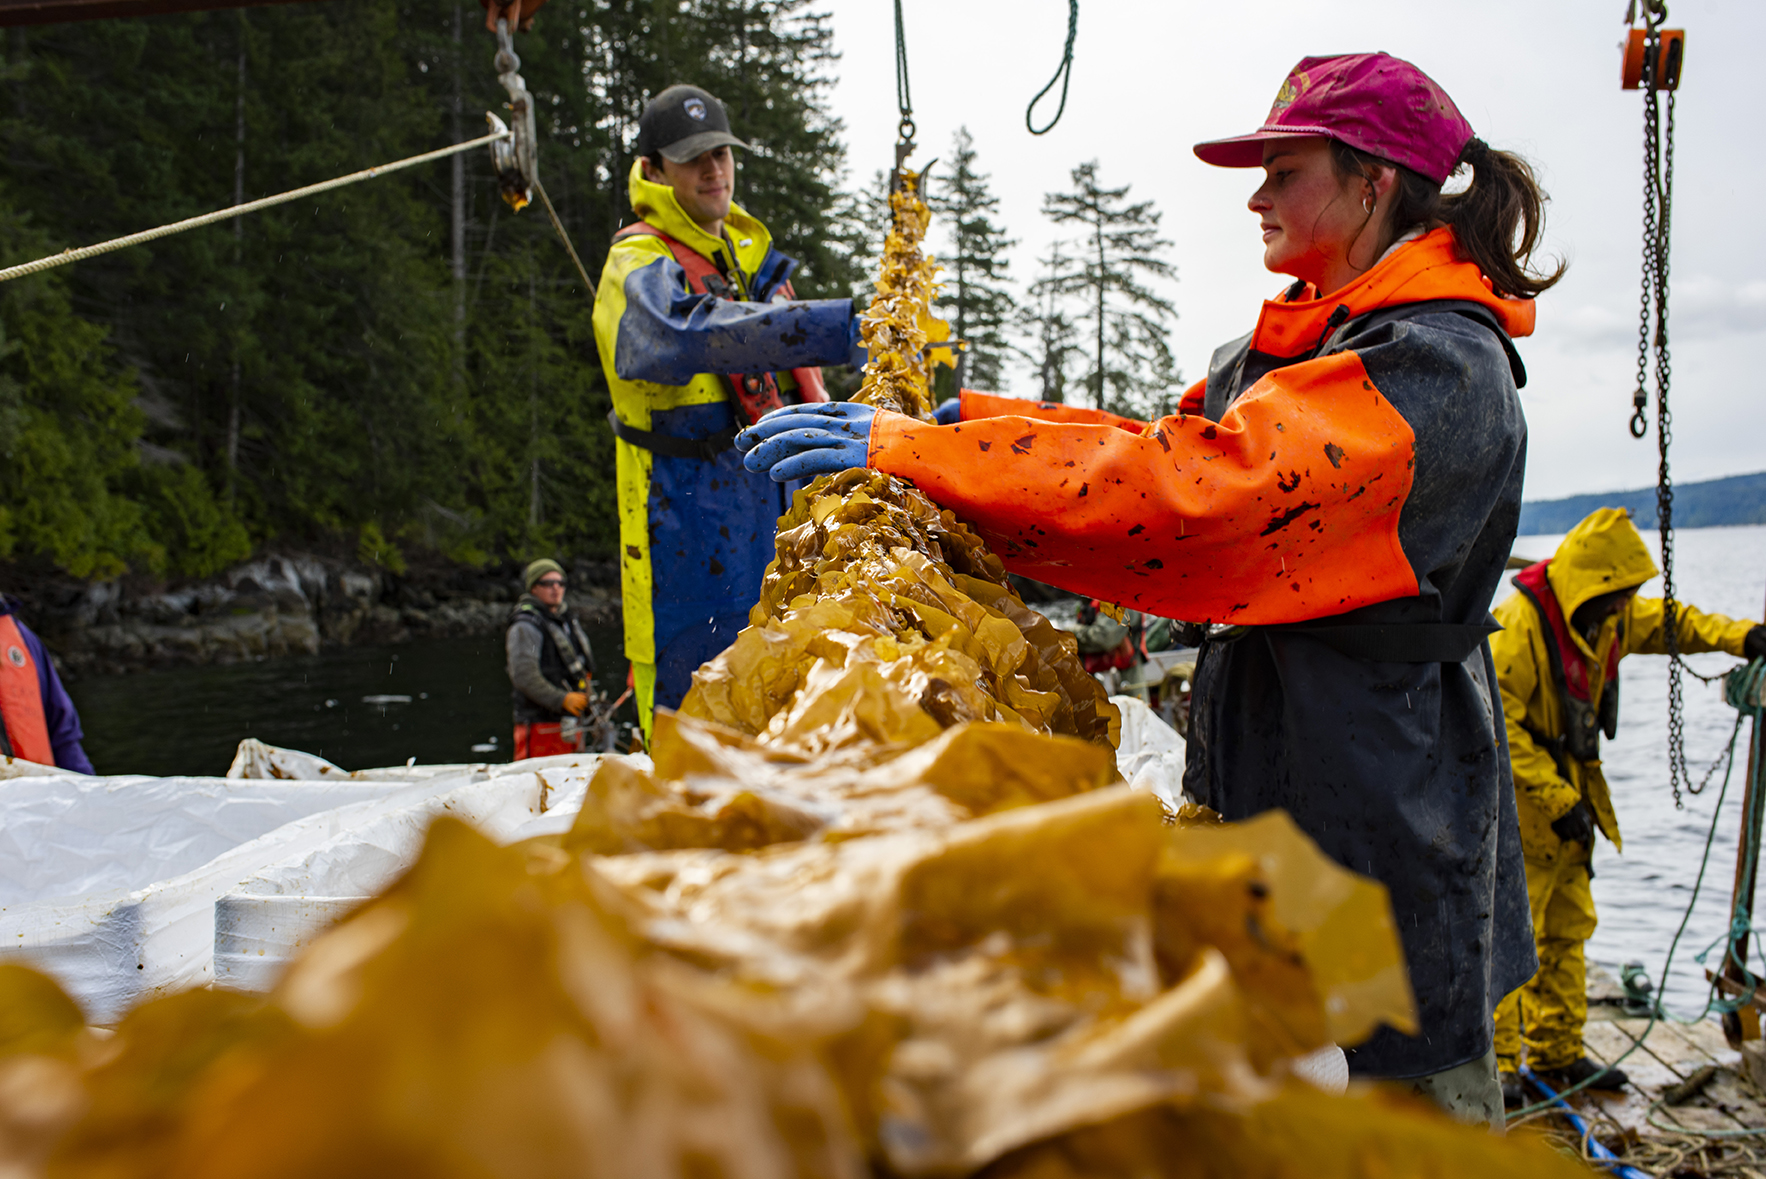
(44, 1049)
(1341, 923)
(717, 788)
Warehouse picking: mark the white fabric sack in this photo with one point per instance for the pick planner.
(1151, 754)
(112, 949)
(18, 767)
(115, 945)
(256, 937)
(366, 856)
(73, 836)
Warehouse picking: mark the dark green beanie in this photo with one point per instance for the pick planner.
(538, 570)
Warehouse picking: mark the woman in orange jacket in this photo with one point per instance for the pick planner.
(1337, 499)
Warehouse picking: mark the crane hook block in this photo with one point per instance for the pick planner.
(1670, 48)
(519, 13)
(517, 158)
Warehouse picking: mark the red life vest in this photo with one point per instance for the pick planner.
(1585, 716)
(21, 697)
(753, 394)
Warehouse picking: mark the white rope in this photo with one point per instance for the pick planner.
(564, 237)
(135, 239)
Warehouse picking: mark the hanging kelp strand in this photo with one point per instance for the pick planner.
(899, 325)
(873, 582)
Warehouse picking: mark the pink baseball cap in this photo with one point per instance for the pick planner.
(1371, 101)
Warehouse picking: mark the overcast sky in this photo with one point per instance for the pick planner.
(1153, 77)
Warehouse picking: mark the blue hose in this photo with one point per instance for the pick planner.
(1601, 1154)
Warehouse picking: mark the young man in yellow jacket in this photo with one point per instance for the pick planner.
(1570, 621)
(699, 333)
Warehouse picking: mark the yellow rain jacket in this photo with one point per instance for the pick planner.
(696, 531)
(1601, 554)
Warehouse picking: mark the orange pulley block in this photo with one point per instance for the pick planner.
(1668, 46)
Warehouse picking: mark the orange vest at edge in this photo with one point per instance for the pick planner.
(21, 697)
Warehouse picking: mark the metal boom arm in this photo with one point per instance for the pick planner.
(47, 12)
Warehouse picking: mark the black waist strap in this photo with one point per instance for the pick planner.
(670, 446)
(1398, 642)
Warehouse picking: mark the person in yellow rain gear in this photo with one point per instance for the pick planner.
(699, 332)
(1570, 621)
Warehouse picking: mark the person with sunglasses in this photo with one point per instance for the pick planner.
(551, 668)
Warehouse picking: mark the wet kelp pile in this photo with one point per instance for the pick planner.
(876, 593)
(972, 958)
(878, 906)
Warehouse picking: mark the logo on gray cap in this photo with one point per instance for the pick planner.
(695, 107)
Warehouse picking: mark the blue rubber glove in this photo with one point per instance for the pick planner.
(803, 441)
(949, 413)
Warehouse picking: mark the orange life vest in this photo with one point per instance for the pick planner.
(21, 698)
(753, 393)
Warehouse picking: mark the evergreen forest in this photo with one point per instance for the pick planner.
(404, 365)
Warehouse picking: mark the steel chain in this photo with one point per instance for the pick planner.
(1658, 211)
(1640, 398)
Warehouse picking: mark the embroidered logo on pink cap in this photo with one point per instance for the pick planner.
(1370, 101)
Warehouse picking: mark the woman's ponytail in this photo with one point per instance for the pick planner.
(1497, 219)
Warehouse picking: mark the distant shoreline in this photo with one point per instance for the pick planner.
(1649, 530)
(1714, 503)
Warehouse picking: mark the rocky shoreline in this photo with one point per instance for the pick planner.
(277, 605)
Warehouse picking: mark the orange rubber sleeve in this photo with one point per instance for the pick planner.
(1285, 510)
(991, 405)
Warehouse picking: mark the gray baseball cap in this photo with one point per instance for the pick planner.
(682, 123)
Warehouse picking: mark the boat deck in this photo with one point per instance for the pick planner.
(1689, 1056)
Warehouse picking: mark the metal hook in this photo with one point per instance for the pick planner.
(517, 159)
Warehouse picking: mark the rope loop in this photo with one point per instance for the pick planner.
(1063, 75)
(1744, 687)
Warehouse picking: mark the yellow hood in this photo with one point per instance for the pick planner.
(656, 204)
(1601, 554)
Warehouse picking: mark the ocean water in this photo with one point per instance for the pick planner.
(1642, 893)
(436, 700)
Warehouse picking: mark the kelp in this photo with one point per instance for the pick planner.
(898, 330)
(876, 593)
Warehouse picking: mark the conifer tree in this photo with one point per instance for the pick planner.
(977, 297)
(1054, 339)
(405, 359)
(1118, 255)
